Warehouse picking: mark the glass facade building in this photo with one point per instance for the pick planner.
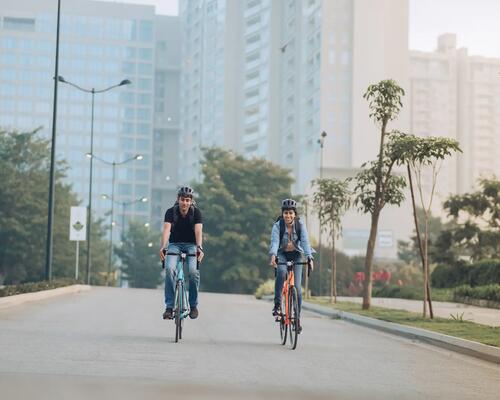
(101, 44)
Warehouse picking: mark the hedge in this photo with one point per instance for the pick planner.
(399, 292)
(482, 273)
(488, 292)
(35, 286)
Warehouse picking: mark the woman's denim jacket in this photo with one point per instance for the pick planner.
(301, 244)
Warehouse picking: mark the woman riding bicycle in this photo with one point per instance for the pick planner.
(289, 242)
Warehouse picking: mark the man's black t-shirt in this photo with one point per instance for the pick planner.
(182, 231)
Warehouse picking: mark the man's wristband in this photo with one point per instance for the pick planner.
(199, 248)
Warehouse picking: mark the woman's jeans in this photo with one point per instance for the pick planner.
(171, 268)
(281, 275)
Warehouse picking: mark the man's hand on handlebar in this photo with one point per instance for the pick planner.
(162, 253)
(199, 253)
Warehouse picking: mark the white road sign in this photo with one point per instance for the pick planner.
(78, 224)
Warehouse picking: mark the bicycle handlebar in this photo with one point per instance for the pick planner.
(180, 255)
(291, 263)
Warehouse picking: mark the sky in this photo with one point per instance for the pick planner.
(476, 22)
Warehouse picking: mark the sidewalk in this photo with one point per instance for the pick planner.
(479, 315)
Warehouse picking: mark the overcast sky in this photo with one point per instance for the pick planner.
(476, 22)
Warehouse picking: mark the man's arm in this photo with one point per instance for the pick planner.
(164, 238)
(198, 234)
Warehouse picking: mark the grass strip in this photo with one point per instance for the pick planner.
(457, 327)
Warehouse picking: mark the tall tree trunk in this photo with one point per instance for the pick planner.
(306, 278)
(370, 250)
(320, 259)
(426, 275)
(427, 288)
(333, 283)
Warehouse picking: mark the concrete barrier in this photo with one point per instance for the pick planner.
(17, 299)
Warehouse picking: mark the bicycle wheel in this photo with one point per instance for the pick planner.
(178, 311)
(293, 312)
(283, 327)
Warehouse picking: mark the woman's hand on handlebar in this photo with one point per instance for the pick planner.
(273, 262)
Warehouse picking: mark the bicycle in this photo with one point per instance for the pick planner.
(181, 304)
(289, 321)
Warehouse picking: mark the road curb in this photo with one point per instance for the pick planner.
(468, 347)
(17, 299)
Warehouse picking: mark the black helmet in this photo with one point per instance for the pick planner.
(289, 204)
(185, 191)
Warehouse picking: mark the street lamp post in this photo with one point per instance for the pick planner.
(321, 142)
(113, 164)
(50, 219)
(93, 91)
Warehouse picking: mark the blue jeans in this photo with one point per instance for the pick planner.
(281, 275)
(171, 268)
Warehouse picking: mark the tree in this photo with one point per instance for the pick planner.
(24, 171)
(440, 248)
(477, 219)
(332, 199)
(140, 263)
(376, 185)
(421, 154)
(240, 200)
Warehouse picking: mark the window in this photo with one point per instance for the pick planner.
(19, 24)
(145, 84)
(144, 114)
(124, 189)
(146, 54)
(145, 69)
(142, 175)
(143, 145)
(145, 31)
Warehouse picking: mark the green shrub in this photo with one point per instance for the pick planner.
(488, 292)
(479, 274)
(400, 292)
(35, 286)
(265, 288)
(485, 272)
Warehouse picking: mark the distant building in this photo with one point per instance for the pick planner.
(101, 43)
(457, 96)
(265, 78)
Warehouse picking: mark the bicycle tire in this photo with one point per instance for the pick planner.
(177, 310)
(283, 327)
(293, 304)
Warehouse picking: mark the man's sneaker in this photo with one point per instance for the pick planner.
(193, 314)
(299, 327)
(276, 310)
(168, 314)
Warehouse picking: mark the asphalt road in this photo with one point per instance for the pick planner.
(112, 343)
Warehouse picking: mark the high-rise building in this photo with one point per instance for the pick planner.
(101, 44)
(266, 78)
(166, 117)
(457, 96)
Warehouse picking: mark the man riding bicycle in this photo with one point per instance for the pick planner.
(289, 241)
(182, 231)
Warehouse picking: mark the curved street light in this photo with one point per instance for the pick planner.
(93, 91)
(113, 164)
